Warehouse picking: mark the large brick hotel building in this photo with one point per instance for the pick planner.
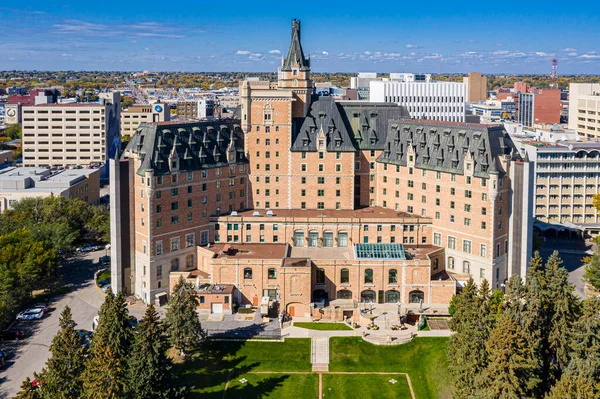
(303, 198)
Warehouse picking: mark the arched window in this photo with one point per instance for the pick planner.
(416, 296)
(320, 276)
(248, 273)
(328, 239)
(344, 294)
(451, 263)
(344, 276)
(369, 276)
(272, 273)
(313, 238)
(298, 238)
(393, 276)
(368, 296)
(342, 239)
(466, 267)
(392, 296)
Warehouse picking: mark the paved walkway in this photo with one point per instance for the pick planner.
(319, 357)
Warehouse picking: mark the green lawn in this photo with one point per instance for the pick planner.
(324, 326)
(365, 386)
(275, 386)
(218, 361)
(424, 359)
(102, 275)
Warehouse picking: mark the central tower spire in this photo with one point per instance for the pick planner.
(295, 57)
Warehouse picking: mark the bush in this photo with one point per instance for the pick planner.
(245, 310)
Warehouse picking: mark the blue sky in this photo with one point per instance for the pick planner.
(340, 36)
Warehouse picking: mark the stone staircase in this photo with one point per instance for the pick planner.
(320, 353)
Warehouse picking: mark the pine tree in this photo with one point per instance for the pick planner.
(105, 375)
(182, 321)
(592, 270)
(62, 375)
(575, 387)
(28, 391)
(150, 370)
(114, 329)
(511, 372)
(565, 311)
(585, 342)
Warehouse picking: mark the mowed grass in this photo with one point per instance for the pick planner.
(217, 361)
(324, 326)
(365, 386)
(423, 359)
(274, 386)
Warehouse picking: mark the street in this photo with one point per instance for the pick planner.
(30, 355)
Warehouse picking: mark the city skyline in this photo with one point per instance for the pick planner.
(338, 37)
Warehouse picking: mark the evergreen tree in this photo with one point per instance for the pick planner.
(150, 370)
(565, 311)
(575, 387)
(585, 342)
(28, 391)
(114, 329)
(62, 375)
(592, 270)
(105, 375)
(182, 321)
(511, 372)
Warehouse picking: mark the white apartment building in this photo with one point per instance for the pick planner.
(584, 109)
(78, 134)
(142, 113)
(566, 178)
(424, 98)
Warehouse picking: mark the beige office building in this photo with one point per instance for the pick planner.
(142, 113)
(476, 87)
(79, 134)
(584, 109)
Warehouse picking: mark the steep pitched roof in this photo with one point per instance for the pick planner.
(194, 146)
(444, 146)
(295, 57)
(348, 126)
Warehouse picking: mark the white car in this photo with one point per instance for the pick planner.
(106, 288)
(31, 314)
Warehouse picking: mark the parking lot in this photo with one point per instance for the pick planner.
(30, 354)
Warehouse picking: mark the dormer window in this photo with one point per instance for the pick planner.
(295, 72)
(338, 142)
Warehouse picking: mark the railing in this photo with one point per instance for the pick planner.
(242, 333)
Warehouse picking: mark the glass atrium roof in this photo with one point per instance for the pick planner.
(380, 251)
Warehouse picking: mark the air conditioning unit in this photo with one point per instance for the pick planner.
(234, 213)
(255, 213)
(269, 213)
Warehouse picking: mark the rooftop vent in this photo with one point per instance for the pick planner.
(255, 213)
(269, 213)
(234, 213)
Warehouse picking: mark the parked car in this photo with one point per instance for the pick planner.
(103, 282)
(106, 288)
(42, 306)
(133, 322)
(2, 359)
(85, 248)
(12, 335)
(105, 259)
(31, 314)
(86, 336)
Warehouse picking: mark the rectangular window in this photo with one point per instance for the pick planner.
(437, 239)
(467, 246)
(175, 244)
(189, 240)
(452, 242)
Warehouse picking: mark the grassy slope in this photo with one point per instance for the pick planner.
(324, 326)
(424, 359)
(365, 386)
(280, 386)
(210, 368)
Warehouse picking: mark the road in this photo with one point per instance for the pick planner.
(30, 355)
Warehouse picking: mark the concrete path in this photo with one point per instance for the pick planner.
(319, 357)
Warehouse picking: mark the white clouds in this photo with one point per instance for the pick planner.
(433, 56)
(274, 52)
(573, 54)
(501, 52)
(413, 46)
(542, 54)
(325, 53)
(569, 49)
(590, 55)
(242, 52)
(142, 29)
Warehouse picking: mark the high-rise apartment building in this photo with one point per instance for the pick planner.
(307, 199)
(77, 134)
(424, 98)
(135, 114)
(584, 109)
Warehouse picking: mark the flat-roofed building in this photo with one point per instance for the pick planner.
(30, 182)
(135, 114)
(584, 109)
(79, 134)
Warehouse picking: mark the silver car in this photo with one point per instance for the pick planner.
(31, 314)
